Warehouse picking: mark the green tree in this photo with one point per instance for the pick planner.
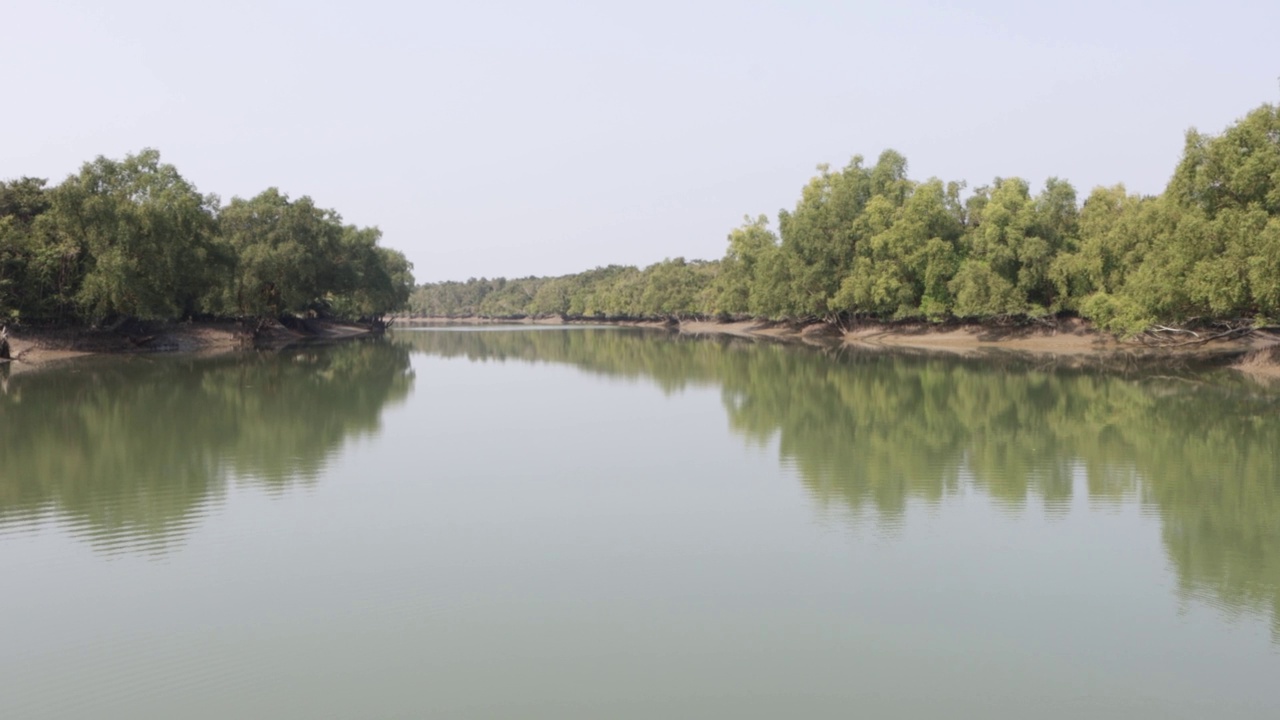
(674, 288)
(1236, 170)
(552, 297)
(622, 298)
(510, 297)
(25, 258)
(1012, 244)
(289, 254)
(381, 279)
(820, 235)
(147, 236)
(741, 279)
(903, 267)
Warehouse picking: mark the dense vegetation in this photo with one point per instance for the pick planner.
(869, 241)
(133, 238)
(669, 288)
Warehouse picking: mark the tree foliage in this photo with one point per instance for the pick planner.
(146, 234)
(672, 288)
(133, 238)
(869, 241)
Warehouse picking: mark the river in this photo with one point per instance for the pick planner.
(619, 523)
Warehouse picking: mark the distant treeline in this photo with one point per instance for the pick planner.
(868, 241)
(669, 288)
(133, 238)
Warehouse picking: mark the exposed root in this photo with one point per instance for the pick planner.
(1160, 335)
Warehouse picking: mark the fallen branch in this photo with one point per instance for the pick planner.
(1241, 332)
(1162, 328)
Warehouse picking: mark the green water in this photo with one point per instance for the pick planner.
(608, 523)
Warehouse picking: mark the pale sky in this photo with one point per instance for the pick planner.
(493, 138)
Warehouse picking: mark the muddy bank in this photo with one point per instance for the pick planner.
(1072, 341)
(1262, 363)
(31, 348)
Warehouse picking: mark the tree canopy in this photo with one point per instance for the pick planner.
(869, 241)
(134, 238)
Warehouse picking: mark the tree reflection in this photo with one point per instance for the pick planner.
(129, 452)
(874, 431)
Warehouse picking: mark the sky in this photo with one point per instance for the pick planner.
(490, 138)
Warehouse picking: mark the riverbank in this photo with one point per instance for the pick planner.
(30, 348)
(1261, 363)
(1071, 340)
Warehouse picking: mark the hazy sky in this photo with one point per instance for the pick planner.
(513, 138)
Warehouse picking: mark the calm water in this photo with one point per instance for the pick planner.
(602, 523)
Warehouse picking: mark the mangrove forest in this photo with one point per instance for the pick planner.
(867, 241)
(133, 238)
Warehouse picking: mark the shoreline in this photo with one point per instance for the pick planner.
(34, 348)
(1073, 341)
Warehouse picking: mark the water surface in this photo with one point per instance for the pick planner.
(584, 523)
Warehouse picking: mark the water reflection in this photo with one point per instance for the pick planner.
(872, 432)
(128, 453)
